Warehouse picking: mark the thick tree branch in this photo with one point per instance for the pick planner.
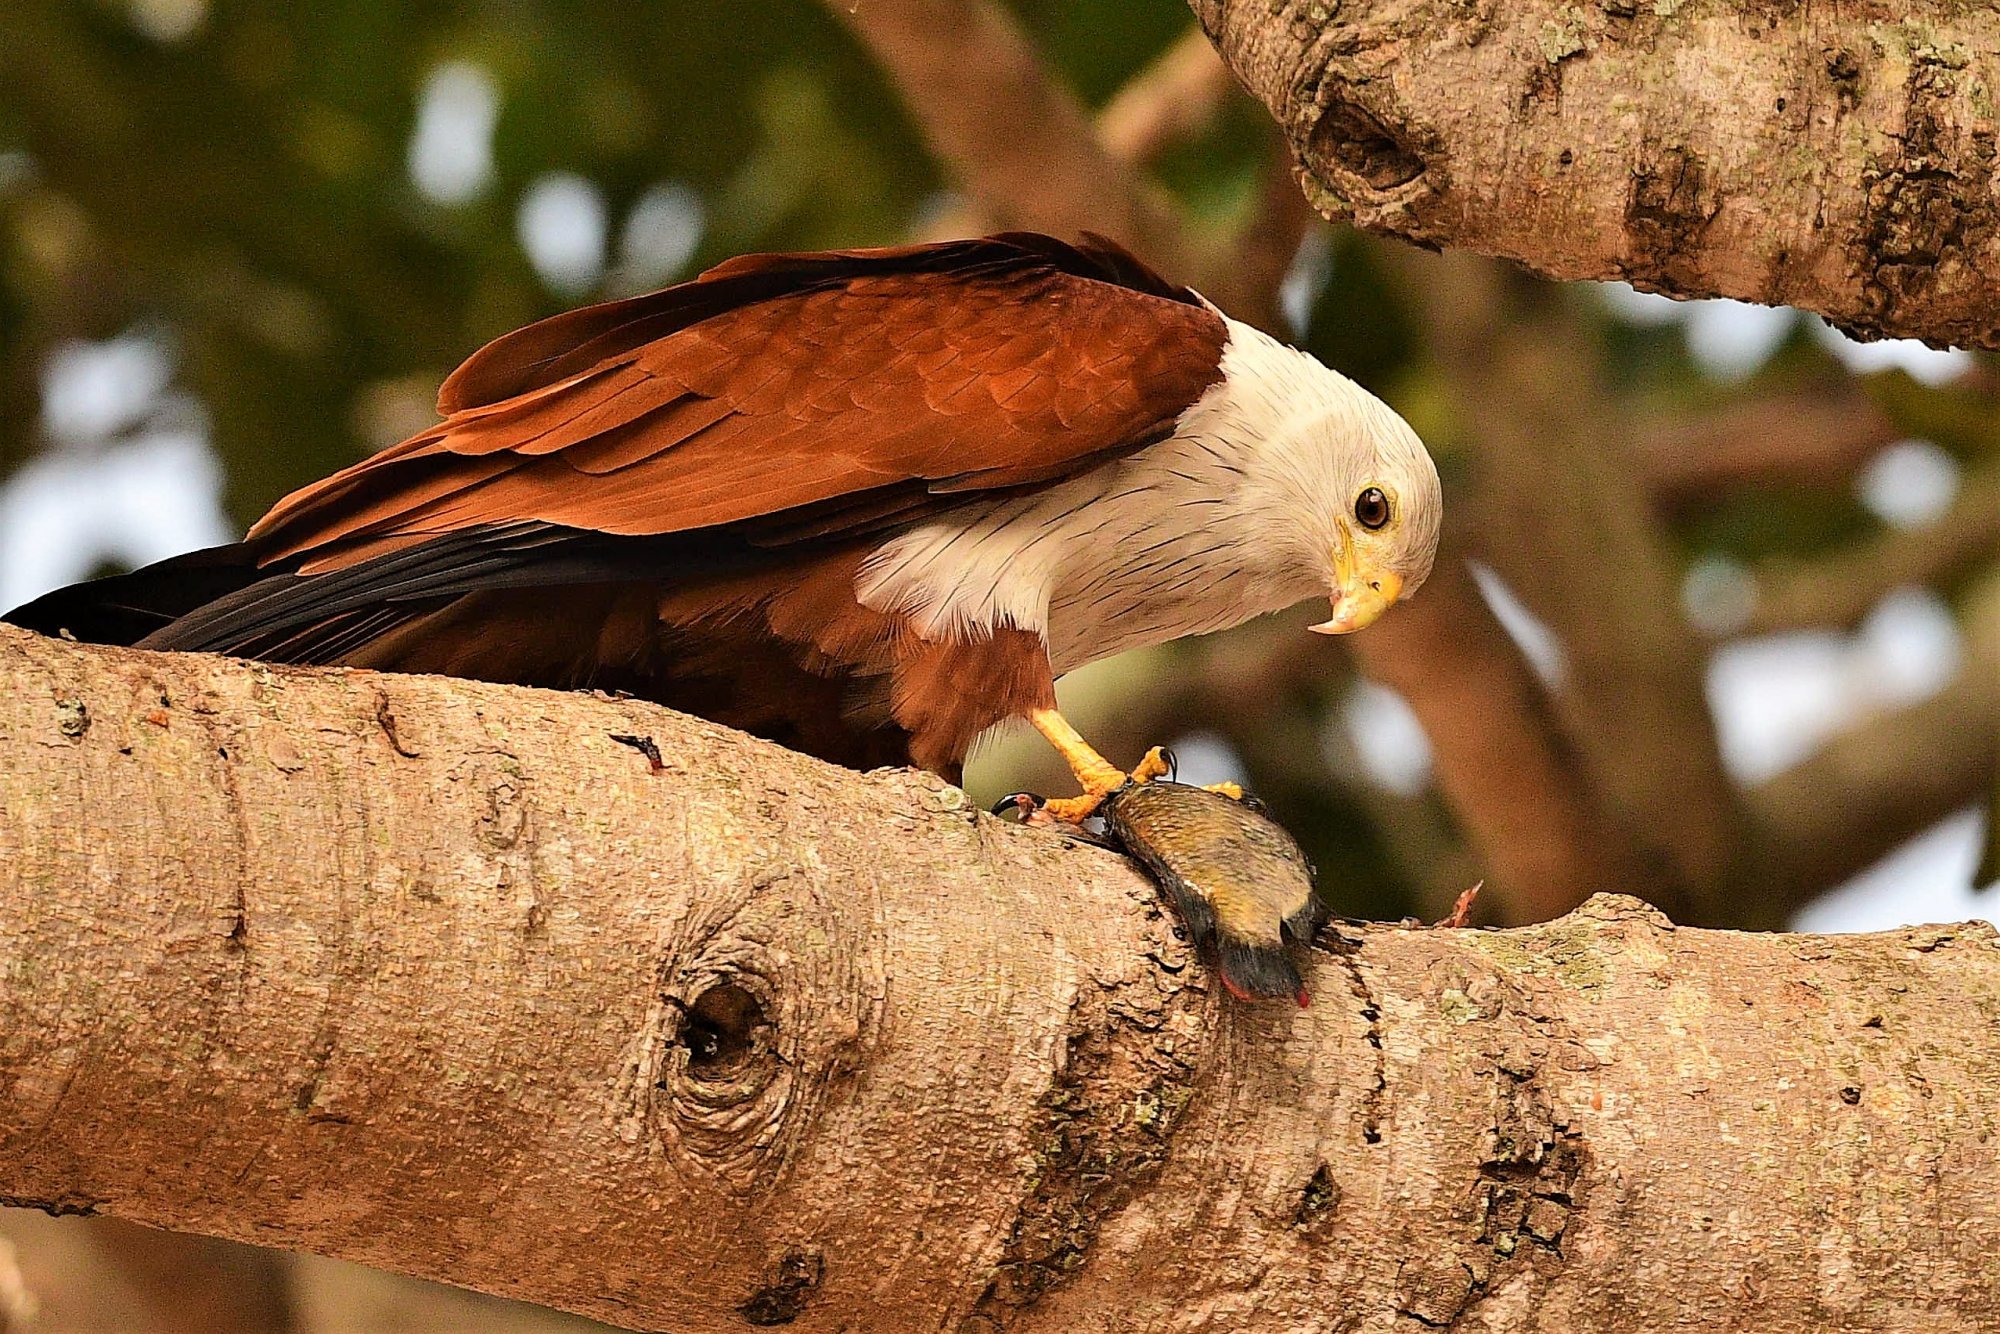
(1840, 159)
(441, 977)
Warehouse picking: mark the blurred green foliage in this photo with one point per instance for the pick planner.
(246, 185)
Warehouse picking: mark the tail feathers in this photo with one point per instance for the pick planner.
(1248, 970)
(222, 601)
(289, 617)
(126, 608)
(1252, 971)
(218, 600)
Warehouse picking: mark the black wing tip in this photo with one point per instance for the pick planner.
(1304, 925)
(48, 614)
(1194, 910)
(127, 608)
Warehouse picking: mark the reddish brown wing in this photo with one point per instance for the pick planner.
(821, 389)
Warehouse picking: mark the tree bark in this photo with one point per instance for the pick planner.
(1836, 158)
(442, 977)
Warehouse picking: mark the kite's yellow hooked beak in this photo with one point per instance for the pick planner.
(1359, 596)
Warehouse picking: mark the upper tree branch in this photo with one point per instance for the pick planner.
(1835, 158)
(438, 976)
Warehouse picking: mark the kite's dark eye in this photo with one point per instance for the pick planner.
(1371, 507)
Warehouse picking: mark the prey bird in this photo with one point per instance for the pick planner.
(866, 503)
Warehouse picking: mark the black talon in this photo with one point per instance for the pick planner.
(1018, 804)
(1173, 763)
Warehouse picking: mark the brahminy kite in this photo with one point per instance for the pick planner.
(867, 503)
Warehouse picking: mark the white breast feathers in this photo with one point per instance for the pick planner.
(1228, 518)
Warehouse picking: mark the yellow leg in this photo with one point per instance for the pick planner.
(1098, 776)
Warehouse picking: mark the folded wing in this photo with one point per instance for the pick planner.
(786, 397)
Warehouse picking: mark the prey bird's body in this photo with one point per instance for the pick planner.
(866, 503)
(1239, 880)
